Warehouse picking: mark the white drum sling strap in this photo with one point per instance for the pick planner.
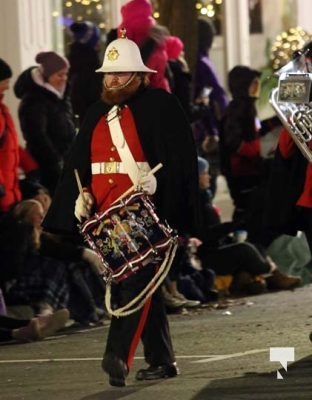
(122, 147)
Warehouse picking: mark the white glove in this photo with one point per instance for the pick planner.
(148, 183)
(268, 144)
(94, 260)
(84, 206)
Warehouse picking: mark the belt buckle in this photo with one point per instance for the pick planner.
(110, 167)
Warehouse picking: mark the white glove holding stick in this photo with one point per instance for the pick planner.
(148, 183)
(134, 187)
(84, 201)
(83, 205)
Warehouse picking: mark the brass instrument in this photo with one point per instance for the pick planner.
(291, 101)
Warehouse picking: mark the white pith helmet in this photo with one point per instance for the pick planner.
(123, 55)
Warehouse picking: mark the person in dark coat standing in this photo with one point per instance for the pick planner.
(83, 57)
(245, 155)
(206, 77)
(288, 200)
(45, 114)
(211, 98)
(157, 131)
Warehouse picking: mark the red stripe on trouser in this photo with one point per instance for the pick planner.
(138, 332)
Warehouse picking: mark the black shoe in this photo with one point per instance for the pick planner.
(116, 369)
(160, 372)
(212, 295)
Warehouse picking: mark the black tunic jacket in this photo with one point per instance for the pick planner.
(285, 185)
(166, 138)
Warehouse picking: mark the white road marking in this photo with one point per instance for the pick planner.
(226, 356)
(200, 358)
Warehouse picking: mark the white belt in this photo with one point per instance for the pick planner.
(115, 167)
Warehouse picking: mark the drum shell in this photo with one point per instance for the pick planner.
(127, 236)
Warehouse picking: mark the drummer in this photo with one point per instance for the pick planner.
(115, 150)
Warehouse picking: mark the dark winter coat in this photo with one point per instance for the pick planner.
(213, 233)
(165, 137)
(47, 126)
(85, 83)
(181, 85)
(239, 139)
(206, 77)
(286, 183)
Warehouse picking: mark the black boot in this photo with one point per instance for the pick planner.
(158, 372)
(116, 369)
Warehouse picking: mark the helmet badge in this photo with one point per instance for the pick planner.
(113, 54)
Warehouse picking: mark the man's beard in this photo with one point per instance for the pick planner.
(118, 96)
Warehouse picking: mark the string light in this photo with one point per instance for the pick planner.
(80, 10)
(285, 44)
(207, 8)
(156, 14)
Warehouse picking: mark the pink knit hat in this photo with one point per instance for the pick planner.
(137, 19)
(51, 62)
(174, 46)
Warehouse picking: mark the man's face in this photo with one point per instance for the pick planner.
(115, 80)
(118, 87)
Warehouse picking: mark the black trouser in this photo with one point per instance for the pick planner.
(7, 324)
(305, 224)
(241, 190)
(233, 258)
(125, 331)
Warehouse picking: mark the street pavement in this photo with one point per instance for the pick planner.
(223, 352)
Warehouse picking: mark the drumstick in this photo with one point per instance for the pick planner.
(80, 187)
(151, 172)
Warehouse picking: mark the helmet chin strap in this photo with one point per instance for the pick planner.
(121, 86)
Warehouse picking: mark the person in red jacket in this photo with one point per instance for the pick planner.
(141, 27)
(9, 148)
(245, 155)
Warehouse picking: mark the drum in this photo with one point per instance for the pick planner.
(128, 236)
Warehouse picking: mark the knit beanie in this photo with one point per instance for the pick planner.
(203, 165)
(5, 70)
(206, 33)
(51, 63)
(85, 33)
